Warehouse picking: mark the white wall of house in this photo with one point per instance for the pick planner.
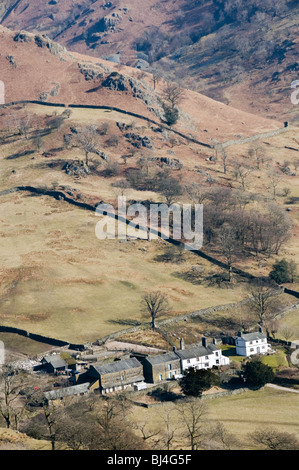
(206, 362)
(249, 348)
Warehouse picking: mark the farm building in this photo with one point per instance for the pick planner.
(161, 367)
(117, 375)
(59, 394)
(57, 363)
(172, 365)
(202, 356)
(248, 344)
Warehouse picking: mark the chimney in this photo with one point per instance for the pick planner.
(204, 341)
(182, 344)
(174, 349)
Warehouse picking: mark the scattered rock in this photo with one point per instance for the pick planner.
(23, 36)
(11, 60)
(89, 72)
(76, 168)
(137, 141)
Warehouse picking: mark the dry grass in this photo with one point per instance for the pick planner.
(58, 279)
(240, 414)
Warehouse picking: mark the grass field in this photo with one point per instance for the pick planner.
(241, 414)
(58, 279)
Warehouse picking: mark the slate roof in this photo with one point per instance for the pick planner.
(162, 358)
(253, 336)
(117, 366)
(197, 351)
(55, 360)
(67, 391)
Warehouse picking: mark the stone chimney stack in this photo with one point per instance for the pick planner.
(182, 344)
(204, 342)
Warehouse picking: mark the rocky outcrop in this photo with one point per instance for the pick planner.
(89, 72)
(115, 81)
(41, 40)
(76, 168)
(137, 141)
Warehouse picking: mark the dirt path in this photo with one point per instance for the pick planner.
(284, 389)
(117, 345)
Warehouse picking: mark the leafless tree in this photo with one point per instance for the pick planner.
(274, 180)
(196, 193)
(241, 173)
(87, 139)
(222, 439)
(261, 300)
(274, 439)
(173, 94)
(156, 77)
(287, 332)
(224, 157)
(12, 404)
(193, 415)
(258, 152)
(155, 303)
(169, 430)
(229, 246)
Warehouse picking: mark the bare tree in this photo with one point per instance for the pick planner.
(192, 414)
(241, 173)
(12, 404)
(196, 193)
(173, 94)
(273, 439)
(261, 299)
(88, 141)
(274, 180)
(155, 303)
(229, 246)
(224, 157)
(258, 152)
(287, 333)
(222, 439)
(156, 77)
(170, 430)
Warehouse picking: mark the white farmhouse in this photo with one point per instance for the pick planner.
(204, 356)
(248, 344)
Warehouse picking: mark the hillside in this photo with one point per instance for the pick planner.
(35, 68)
(57, 278)
(242, 54)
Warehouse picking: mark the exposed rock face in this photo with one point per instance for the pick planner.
(137, 141)
(41, 40)
(173, 163)
(76, 168)
(106, 24)
(116, 82)
(109, 22)
(23, 36)
(89, 72)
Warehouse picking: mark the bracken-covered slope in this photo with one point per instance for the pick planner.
(238, 52)
(35, 68)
